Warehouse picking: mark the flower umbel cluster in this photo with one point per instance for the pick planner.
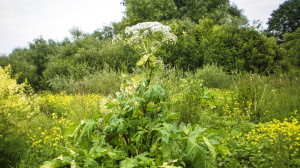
(146, 26)
(142, 30)
(146, 39)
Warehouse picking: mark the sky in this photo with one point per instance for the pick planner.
(258, 9)
(21, 21)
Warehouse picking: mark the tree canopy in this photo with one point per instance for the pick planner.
(285, 19)
(161, 10)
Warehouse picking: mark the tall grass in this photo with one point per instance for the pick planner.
(272, 97)
(197, 95)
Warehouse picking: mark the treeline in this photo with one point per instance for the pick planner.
(209, 32)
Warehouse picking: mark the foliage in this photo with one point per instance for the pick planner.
(140, 132)
(214, 77)
(105, 82)
(275, 144)
(224, 112)
(4, 60)
(218, 11)
(286, 19)
(291, 44)
(79, 121)
(194, 101)
(238, 48)
(23, 67)
(138, 11)
(144, 10)
(234, 47)
(273, 97)
(14, 108)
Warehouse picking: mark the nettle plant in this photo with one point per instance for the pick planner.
(141, 132)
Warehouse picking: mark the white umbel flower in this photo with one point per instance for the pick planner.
(153, 26)
(146, 39)
(135, 34)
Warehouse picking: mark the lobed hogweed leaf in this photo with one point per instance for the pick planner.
(90, 163)
(223, 150)
(128, 163)
(155, 93)
(87, 129)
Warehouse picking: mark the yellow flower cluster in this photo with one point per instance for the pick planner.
(62, 110)
(15, 106)
(234, 110)
(278, 136)
(52, 138)
(50, 103)
(78, 106)
(9, 86)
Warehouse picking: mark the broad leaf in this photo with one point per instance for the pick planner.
(128, 163)
(87, 129)
(155, 93)
(223, 150)
(90, 163)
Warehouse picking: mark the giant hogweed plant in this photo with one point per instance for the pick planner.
(140, 133)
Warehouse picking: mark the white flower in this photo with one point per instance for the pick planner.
(146, 26)
(60, 158)
(146, 32)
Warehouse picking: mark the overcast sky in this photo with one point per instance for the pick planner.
(258, 9)
(23, 20)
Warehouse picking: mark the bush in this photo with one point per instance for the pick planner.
(214, 77)
(105, 82)
(14, 107)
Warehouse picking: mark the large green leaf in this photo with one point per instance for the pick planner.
(90, 163)
(87, 129)
(223, 150)
(155, 93)
(128, 163)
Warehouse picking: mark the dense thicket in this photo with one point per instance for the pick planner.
(208, 32)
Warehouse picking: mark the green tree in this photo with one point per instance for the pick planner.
(4, 60)
(23, 67)
(228, 45)
(40, 51)
(155, 10)
(285, 19)
(149, 10)
(200, 9)
(104, 33)
(186, 53)
(76, 33)
(292, 44)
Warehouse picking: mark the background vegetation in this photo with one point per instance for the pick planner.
(223, 74)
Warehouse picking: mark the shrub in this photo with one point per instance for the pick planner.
(214, 77)
(14, 108)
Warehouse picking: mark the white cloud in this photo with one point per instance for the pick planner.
(22, 21)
